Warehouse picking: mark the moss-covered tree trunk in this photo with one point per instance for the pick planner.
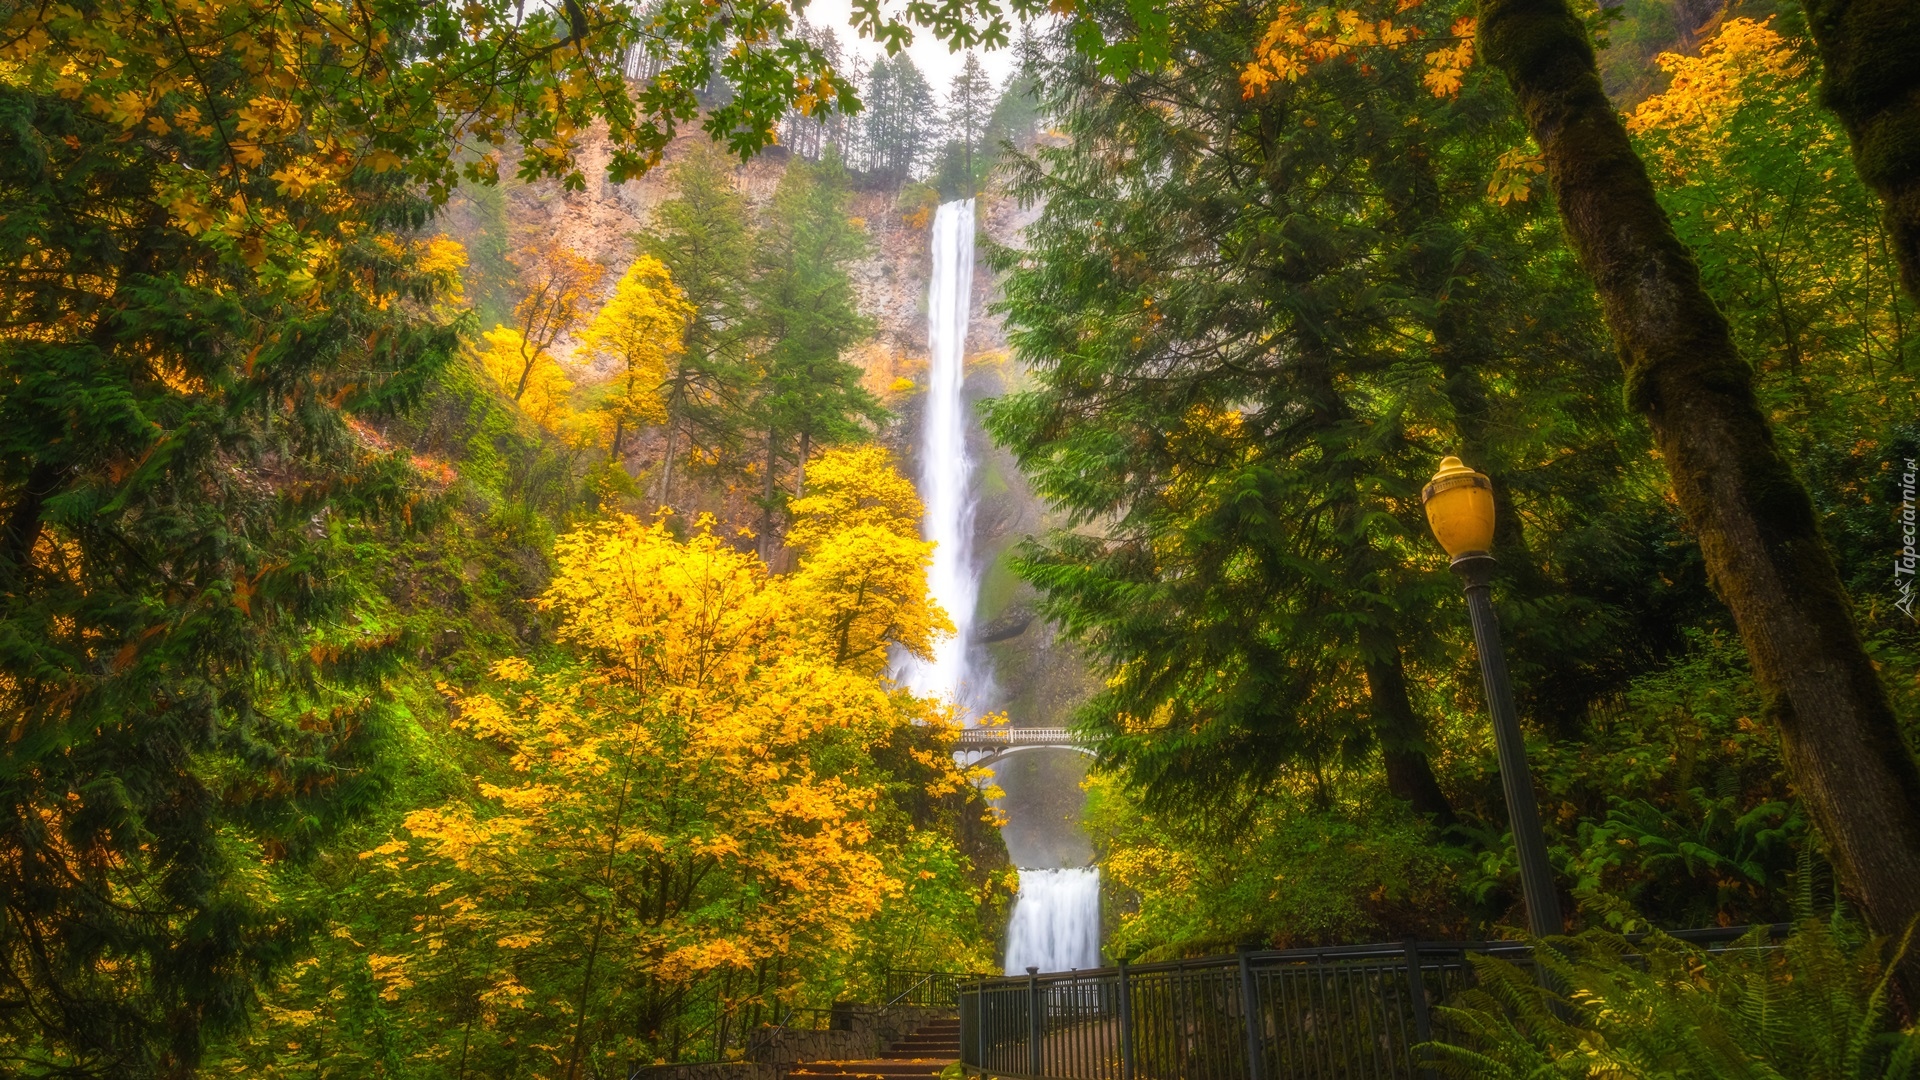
(1870, 51)
(1754, 521)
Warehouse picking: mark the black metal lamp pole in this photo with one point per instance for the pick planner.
(1516, 779)
(1460, 508)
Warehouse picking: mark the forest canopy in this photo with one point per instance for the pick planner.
(443, 635)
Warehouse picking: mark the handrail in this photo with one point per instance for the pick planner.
(932, 989)
(922, 981)
(1385, 950)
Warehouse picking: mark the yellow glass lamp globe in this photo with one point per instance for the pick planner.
(1459, 505)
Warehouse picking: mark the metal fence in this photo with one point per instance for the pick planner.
(928, 989)
(1348, 1012)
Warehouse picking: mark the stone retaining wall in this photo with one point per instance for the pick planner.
(856, 1032)
(713, 1070)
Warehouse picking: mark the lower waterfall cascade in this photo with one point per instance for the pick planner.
(1056, 921)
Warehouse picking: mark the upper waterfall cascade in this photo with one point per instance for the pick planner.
(946, 468)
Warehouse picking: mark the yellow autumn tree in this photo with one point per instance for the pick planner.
(1301, 36)
(545, 389)
(556, 285)
(853, 485)
(1744, 59)
(640, 330)
(692, 801)
(861, 583)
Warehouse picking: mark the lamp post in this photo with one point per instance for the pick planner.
(1459, 504)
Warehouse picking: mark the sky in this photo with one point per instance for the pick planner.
(935, 61)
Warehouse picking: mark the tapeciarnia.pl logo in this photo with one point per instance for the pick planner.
(1903, 564)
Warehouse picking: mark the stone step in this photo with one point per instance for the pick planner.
(884, 1069)
(868, 1064)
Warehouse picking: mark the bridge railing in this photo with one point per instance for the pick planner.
(1017, 736)
(1350, 1012)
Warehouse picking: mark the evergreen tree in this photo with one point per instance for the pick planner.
(1016, 113)
(703, 236)
(810, 129)
(192, 658)
(1254, 328)
(970, 103)
(805, 317)
(899, 119)
(854, 149)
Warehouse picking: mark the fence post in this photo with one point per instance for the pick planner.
(1036, 1025)
(1417, 986)
(1256, 1029)
(980, 1023)
(969, 1032)
(1126, 1024)
(1422, 1019)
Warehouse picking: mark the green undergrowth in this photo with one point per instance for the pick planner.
(1817, 1007)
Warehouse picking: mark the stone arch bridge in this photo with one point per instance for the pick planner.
(994, 743)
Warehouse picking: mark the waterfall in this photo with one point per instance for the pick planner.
(946, 470)
(1056, 921)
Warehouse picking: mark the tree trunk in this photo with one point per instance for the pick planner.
(526, 371)
(599, 923)
(800, 467)
(766, 498)
(1755, 523)
(22, 528)
(1402, 734)
(1870, 78)
(1403, 738)
(666, 468)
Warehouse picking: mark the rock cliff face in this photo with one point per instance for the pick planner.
(1038, 679)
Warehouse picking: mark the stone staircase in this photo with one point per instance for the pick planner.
(922, 1055)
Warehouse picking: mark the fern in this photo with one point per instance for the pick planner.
(1599, 1005)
